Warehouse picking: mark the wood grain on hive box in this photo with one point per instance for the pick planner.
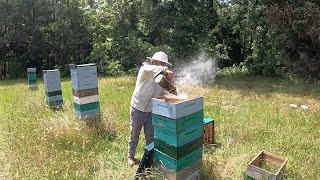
(257, 170)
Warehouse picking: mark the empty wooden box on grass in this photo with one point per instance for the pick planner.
(85, 91)
(52, 85)
(178, 136)
(208, 131)
(32, 77)
(266, 166)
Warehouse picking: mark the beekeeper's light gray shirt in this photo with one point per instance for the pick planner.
(146, 88)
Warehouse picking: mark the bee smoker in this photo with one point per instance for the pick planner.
(162, 79)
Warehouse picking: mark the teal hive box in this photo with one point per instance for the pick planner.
(177, 125)
(177, 164)
(32, 77)
(181, 138)
(177, 152)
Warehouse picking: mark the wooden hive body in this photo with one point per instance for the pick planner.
(208, 131)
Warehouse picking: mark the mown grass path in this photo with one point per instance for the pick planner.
(37, 143)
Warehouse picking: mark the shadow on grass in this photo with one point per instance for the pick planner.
(33, 88)
(150, 173)
(13, 82)
(212, 147)
(101, 129)
(56, 109)
(210, 170)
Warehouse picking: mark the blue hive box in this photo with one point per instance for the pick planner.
(52, 85)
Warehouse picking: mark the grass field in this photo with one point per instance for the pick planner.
(39, 143)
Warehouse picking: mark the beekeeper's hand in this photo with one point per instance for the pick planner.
(170, 74)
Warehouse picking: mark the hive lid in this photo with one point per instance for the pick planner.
(81, 65)
(54, 70)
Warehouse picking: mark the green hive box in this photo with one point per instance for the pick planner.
(177, 125)
(177, 152)
(32, 77)
(177, 164)
(181, 138)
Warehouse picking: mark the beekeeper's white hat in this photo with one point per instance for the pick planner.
(160, 56)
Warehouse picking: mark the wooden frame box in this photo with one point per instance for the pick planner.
(208, 131)
(257, 168)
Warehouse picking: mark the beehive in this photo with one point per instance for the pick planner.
(208, 131)
(52, 85)
(85, 91)
(178, 136)
(32, 77)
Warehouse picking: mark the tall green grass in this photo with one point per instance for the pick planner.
(37, 142)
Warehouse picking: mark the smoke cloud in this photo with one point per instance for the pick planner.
(201, 71)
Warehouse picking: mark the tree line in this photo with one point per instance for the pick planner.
(267, 37)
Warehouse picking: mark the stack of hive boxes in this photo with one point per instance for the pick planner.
(52, 85)
(32, 77)
(178, 137)
(85, 90)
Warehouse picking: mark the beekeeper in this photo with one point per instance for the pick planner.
(141, 106)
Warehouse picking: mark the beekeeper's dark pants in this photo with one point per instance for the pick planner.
(139, 119)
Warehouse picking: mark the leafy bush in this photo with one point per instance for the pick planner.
(114, 68)
(239, 70)
(65, 70)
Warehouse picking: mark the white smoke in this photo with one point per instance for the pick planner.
(201, 71)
